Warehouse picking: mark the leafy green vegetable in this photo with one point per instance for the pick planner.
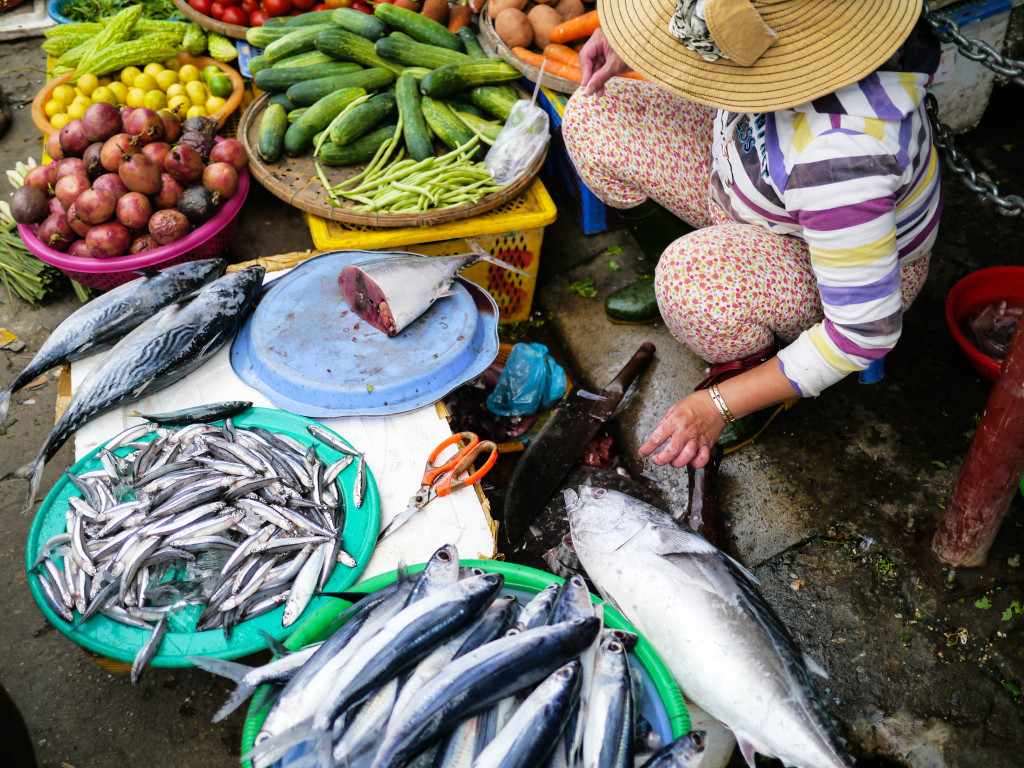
(984, 603)
(613, 266)
(584, 288)
(612, 250)
(94, 10)
(1013, 689)
(1007, 614)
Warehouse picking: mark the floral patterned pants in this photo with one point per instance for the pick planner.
(726, 289)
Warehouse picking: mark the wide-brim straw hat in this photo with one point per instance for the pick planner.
(814, 47)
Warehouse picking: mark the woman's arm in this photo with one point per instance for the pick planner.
(599, 64)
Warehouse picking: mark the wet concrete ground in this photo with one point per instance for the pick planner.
(819, 507)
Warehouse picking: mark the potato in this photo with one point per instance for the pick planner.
(543, 19)
(546, 2)
(514, 28)
(495, 7)
(569, 9)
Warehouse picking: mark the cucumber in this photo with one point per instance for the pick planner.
(414, 127)
(284, 101)
(278, 80)
(308, 18)
(295, 114)
(471, 44)
(346, 46)
(296, 41)
(256, 63)
(299, 136)
(496, 101)
(485, 128)
(362, 118)
(307, 59)
(447, 127)
(468, 107)
(261, 37)
(417, 26)
(276, 21)
(359, 23)
(414, 54)
(452, 78)
(311, 91)
(359, 151)
(271, 133)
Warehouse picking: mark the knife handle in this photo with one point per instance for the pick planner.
(633, 368)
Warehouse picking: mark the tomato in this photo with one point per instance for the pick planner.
(217, 10)
(235, 15)
(203, 6)
(227, 3)
(249, 6)
(303, 5)
(359, 5)
(256, 18)
(277, 7)
(320, 7)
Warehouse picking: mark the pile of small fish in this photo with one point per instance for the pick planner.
(442, 669)
(238, 520)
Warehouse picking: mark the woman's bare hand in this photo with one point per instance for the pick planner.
(686, 432)
(599, 63)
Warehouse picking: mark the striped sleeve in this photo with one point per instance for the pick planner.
(842, 193)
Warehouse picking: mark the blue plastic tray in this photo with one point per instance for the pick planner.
(309, 353)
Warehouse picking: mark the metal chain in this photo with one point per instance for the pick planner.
(948, 31)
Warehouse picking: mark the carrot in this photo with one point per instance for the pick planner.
(459, 16)
(436, 10)
(551, 67)
(562, 53)
(574, 29)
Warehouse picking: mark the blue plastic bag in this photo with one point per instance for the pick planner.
(530, 382)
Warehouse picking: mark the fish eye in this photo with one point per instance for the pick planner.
(615, 647)
(697, 739)
(443, 556)
(598, 493)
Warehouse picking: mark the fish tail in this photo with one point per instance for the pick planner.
(482, 255)
(5, 404)
(233, 671)
(270, 749)
(33, 472)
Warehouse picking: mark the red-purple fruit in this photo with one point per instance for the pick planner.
(157, 152)
(124, 112)
(71, 166)
(29, 205)
(72, 138)
(101, 121)
(167, 226)
(111, 182)
(80, 248)
(170, 191)
(42, 177)
(146, 124)
(115, 148)
(134, 210)
(109, 240)
(230, 151)
(184, 164)
(56, 233)
(78, 226)
(93, 164)
(53, 148)
(139, 174)
(143, 243)
(95, 207)
(56, 206)
(69, 188)
(200, 142)
(172, 127)
(221, 178)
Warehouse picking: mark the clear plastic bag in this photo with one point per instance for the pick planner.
(530, 381)
(520, 142)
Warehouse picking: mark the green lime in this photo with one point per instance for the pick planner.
(210, 70)
(220, 85)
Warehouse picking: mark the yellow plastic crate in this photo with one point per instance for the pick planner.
(512, 232)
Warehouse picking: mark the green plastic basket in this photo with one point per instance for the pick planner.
(517, 578)
(116, 641)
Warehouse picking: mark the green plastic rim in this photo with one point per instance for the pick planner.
(117, 641)
(324, 621)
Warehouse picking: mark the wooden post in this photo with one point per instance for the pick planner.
(991, 472)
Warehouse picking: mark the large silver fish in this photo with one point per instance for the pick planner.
(100, 323)
(391, 292)
(160, 351)
(702, 612)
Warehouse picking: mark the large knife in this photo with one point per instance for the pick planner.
(559, 443)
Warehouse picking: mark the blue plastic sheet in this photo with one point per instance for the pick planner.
(531, 381)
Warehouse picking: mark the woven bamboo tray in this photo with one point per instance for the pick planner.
(529, 71)
(208, 22)
(294, 180)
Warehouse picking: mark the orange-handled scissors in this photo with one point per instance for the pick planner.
(442, 479)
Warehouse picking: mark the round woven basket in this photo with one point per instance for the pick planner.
(210, 23)
(295, 180)
(529, 71)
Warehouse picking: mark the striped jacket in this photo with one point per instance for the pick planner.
(855, 175)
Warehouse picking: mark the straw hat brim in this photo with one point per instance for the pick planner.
(822, 46)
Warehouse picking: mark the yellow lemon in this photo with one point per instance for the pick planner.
(153, 68)
(214, 103)
(145, 81)
(59, 120)
(76, 109)
(120, 91)
(135, 97)
(155, 100)
(128, 75)
(178, 89)
(104, 80)
(54, 107)
(64, 94)
(180, 103)
(104, 94)
(195, 111)
(188, 73)
(173, 63)
(196, 92)
(166, 79)
(88, 83)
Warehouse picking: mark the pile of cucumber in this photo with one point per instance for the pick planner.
(342, 81)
